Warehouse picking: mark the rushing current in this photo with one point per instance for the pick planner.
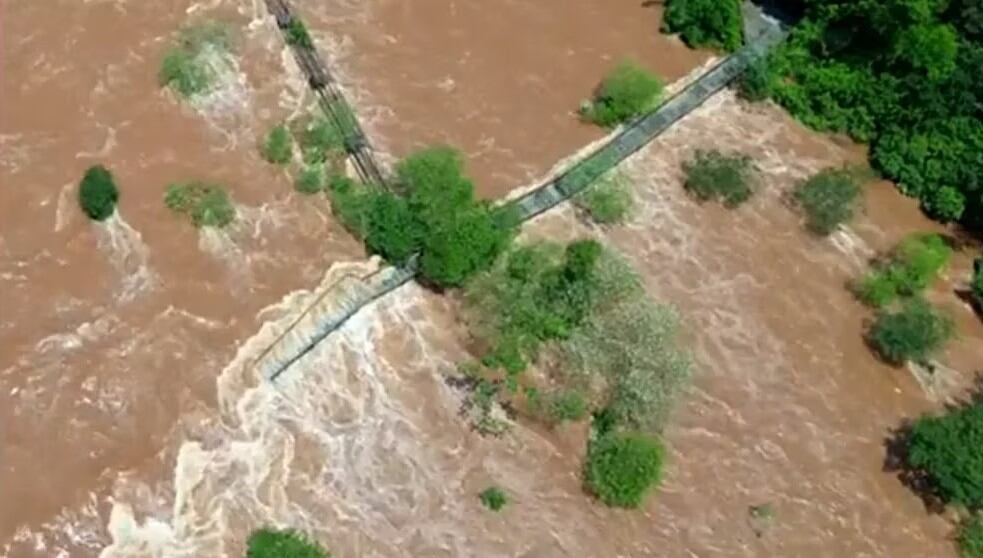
(136, 424)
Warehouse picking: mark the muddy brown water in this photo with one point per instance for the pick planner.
(131, 415)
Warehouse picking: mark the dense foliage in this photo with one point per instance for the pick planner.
(608, 200)
(98, 193)
(272, 543)
(622, 467)
(912, 266)
(976, 283)
(828, 199)
(949, 449)
(627, 92)
(297, 34)
(311, 180)
(706, 23)
(455, 234)
(912, 333)
(712, 175)
(903, 75)
(208, 205)
(320, 139)
(185, 67)
(279, 146)
(493, 498)
(970, 537)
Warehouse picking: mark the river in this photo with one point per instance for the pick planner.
(134, 424)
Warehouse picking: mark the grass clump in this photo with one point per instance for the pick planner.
(311, 180)
(279, 146)
(98, 193)
(712, 175)
(628, 92)
(297, 35)
(706, 23)
(948, 448)
(207, 205)
(185, 67)
(911, 267)
(913, 333)
(828, 199)
(608, 200)
(273, 543)
(493, 498)
(970, 537)
(622, 467)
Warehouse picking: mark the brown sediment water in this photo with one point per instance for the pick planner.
(501, 83)
(111, 334)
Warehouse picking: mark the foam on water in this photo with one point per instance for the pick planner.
(128, 254)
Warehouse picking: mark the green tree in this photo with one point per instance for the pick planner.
(828, 198)
(627, 92)
(706, 23)
(970, 537)
(949, 449)
(273, 543)
(930, 48)
(913, 333)
(621, 468)
(98, 193)
(311, 179)
(392, 231)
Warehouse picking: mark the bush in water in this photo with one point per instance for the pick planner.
(208, 205)
(712, 175)
(828, 198)
(627, 92)
(608, 200)
(949, 449)
(913, 333)
(279, 146)
(311, 179)
(913, 265)
(706, 23)
(622, 467)
(272, 543)
(184, 68)
(493, 498)
(98, 193)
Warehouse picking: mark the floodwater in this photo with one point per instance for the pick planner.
(501, 83)
(134, 424)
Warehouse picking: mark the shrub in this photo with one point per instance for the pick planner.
(976, 284)
(208, 205)
(351, 202)
(460, 244)
(913, 333)
(392, 230)
(320, 138)
(607, 201)
(754, 84)
(493, 498)
(970, 537)
(828, 199)
(272, 543)
(945, 204)
(311, 179)
(621, 468)
(949, 449)
(98, 193)
(706, 23)
(627, 92)
(561, 406)
(279, 146)
(712, 175)
(912, 266)
(184, 68)
(297, 35)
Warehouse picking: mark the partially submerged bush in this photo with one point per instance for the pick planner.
(311, 179)
(297, 34)
(185, 67)
(621, 468)
(754, 85)
(279, 146)
(913, 333)
(912, 266)
(207, 205)
(706, 23)
(949, 449)
(273, 543)
(608, 200)
(970, 537)
(627, 92)
(98, 193)
(320, 139)
(828, 199)
(712, 175)
(493, 498)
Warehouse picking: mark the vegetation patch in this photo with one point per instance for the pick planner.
(273, 543)
(712, 175)
(976, 283)
(913, 333)
(207, 205)
(278, 148)
(911, 267)
(622, 467)
(609, 200)
(629, 91)
(754, 85)
(312, 179)
(297, 34)
(455, 234)
(970, 537)
(321, 139)
(706, 23)
(494, 498)
(98, 193)
(829, 199)
(949, 449)
(186, 68)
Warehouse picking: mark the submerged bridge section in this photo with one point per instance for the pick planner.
(329, 95)
(331, 312)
